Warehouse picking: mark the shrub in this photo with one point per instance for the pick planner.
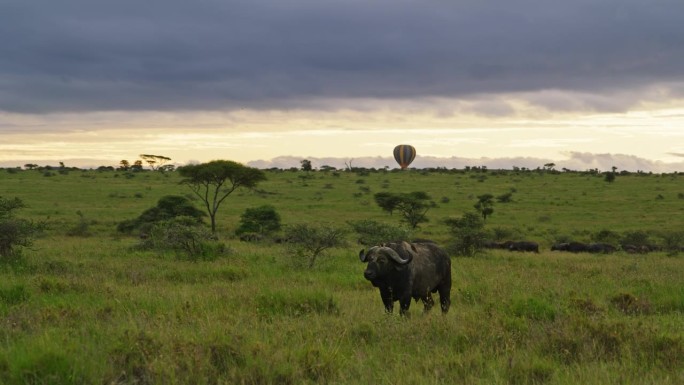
(186, 237)
(168, 207)
(606, 236)
(15, 232)
(468, 234)
(263, 220)
(673, 242)
(372, 232)
(636, 238)
(307, 242)
(505, 198)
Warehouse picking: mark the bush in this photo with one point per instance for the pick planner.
(15, 232)
(505, 198)
(186, 237)
(168, 207)
(636, 238)
(307, 242)
(606, 236)
(373, 233)
(468, 234)
(263, 220)
(673, 242)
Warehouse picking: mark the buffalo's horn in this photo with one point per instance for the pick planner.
(395, 256)
(362, 255)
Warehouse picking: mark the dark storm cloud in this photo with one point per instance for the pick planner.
(82, 55)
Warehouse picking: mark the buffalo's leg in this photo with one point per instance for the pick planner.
(428, 302)
(445, 297)
(387, 300)
(405, 303)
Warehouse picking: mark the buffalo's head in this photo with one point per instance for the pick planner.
(384, 259)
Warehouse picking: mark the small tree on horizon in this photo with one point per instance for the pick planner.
(306, 165)
(213, 182)
(154, 161)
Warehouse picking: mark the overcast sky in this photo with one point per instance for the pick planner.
(93, 82)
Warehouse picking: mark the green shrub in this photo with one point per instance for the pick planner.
(308, 242)
(15, 232)
(673, 242)
(636, 238)
(263, 220)
(170, 206)
(186, 237)
(468, 234)
(606, 236)
(371, 232)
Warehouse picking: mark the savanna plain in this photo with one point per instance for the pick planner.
(90, 307)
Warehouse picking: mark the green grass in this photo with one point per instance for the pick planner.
(84, 310)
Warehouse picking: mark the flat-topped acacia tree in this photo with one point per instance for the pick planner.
(212, 182)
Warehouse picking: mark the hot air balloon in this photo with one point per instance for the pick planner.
(404, 155)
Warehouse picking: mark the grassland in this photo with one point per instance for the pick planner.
(94, 310)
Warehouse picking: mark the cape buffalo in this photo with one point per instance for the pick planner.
(573, 247)
(524, 246)
(403, 270)
(600, 248)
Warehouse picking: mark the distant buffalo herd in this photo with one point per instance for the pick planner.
(573, 247)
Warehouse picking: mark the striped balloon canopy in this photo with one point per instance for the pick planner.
(404, 155)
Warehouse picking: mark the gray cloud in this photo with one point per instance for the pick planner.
(90, 55)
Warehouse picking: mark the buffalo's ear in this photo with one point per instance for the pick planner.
(362, 255)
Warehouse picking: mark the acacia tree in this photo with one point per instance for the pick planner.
(212, 182)
(413, 206)
(485, 205)
(154, 161)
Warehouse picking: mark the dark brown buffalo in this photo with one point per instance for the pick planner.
(524, 246)
(573, 247)
(600, 248)
(403, 270)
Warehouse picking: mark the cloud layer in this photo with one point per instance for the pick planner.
(163, 55)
